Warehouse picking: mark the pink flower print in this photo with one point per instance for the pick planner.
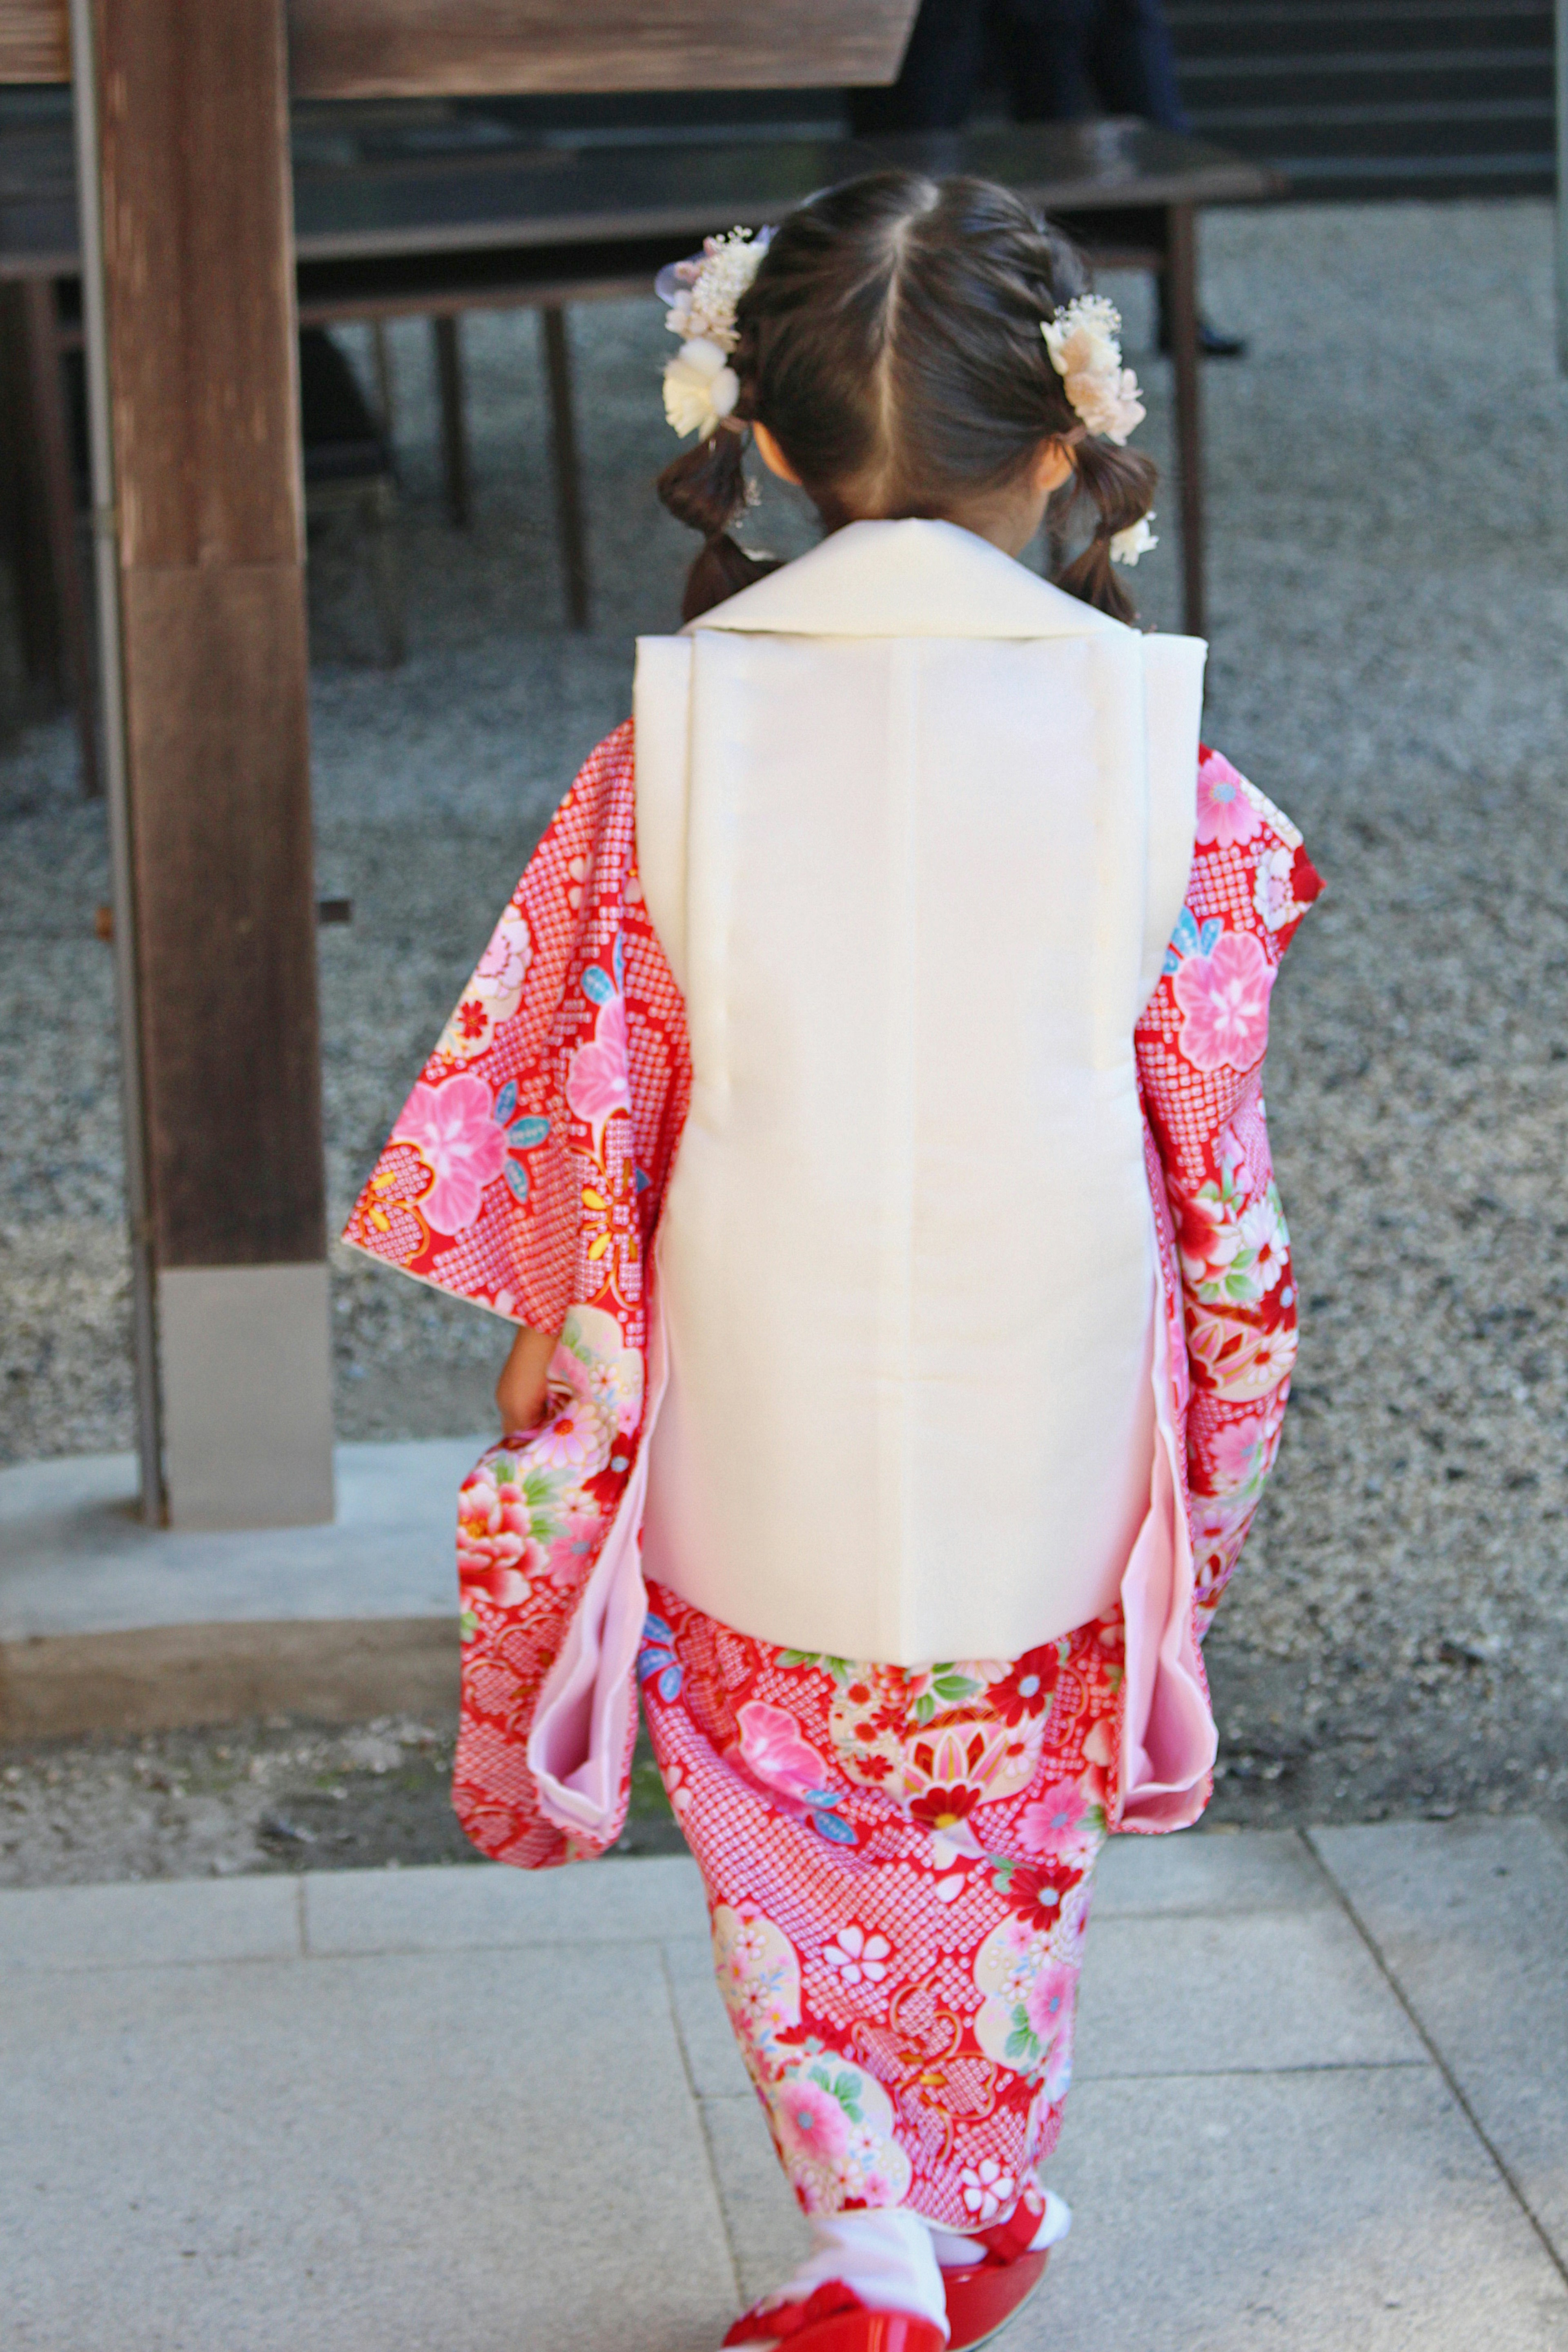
(989, 2192)
(811, 2121)
(496, 1549)
(856, 1957)
(1223, 998)
(505, 961)
(1225, 815)
(599, 1081)
(1052, 1824)
(1233, 1450)
(773, 1745)
(570, 1440)
(1272, 894)
(452, 1128)
(1048, 2002)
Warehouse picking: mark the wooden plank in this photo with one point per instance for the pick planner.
(215, 660)
(402, 48)
(35, 41)
(197, 233)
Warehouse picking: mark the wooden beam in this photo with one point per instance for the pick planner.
(35, 40)
(401, 48)
(415, 49)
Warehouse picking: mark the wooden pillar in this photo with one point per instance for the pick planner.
(208, 526)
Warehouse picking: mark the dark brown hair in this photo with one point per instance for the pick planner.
(890, 343)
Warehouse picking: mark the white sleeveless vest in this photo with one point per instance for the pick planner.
(914, 829)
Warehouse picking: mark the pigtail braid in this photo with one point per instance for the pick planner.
(1118, 484)
(705, 488)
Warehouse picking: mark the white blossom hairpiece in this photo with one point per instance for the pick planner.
(700, 387)
(1085, 343)
(1127, 546)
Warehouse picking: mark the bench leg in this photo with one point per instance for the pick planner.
(48, 400)
(454, 424)
(1182, 309)
(568, 479)
(385, 575)
(385, 395)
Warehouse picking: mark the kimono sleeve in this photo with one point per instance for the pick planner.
(1200, 1046)
(525, 1172)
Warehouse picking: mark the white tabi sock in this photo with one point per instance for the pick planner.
(883, 2257)
(953, 2251)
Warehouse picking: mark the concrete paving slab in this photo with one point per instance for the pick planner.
(1318, 2213)
(1207, 1870)
(78, 1560)
(1471, 1920)
(469, 1907)
(1256, 1990)
(367, 2155)
(766, 2228)
(55, 1929)
(712, 2053)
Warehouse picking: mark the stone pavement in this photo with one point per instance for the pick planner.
(107, 1625)
(1322, 2103)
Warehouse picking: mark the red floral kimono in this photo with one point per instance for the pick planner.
(898, 1860)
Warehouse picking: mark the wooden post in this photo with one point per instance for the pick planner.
(208, 536)
(1181, 310)
(570, 531)
(1561, 48)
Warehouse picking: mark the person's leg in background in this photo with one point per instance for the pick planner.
(936, 86)
(1065, 59)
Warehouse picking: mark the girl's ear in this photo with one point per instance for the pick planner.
(1054, 464)
(774, 457)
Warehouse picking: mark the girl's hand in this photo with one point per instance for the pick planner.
(521, 1389)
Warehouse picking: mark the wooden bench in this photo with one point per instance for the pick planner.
(394, 217)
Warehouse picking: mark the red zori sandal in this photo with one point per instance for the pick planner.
(983, 2296)
(834, 2319)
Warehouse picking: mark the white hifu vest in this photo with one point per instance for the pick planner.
(914, 828)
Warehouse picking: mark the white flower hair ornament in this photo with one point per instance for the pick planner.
(1085, 343)
(700, 387)
(1127, 546)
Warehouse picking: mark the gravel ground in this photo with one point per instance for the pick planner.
(1389, 517)
(280, 1795)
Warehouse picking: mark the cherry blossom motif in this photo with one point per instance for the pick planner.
(452, 1126)
(1223, 1000)
(1048, 2000)
(506, 960)
(1234, 1451)
(599, 1081)
(1225, 815)
(494, 992)
(1272, 892)
(772, 1744)
(811, 2121)
(1052, 1823)
(989, 2192)
(857, 1956)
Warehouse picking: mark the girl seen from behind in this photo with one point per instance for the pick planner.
(859, 1112)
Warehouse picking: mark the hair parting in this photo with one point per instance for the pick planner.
(890, 341)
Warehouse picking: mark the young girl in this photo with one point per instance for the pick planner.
(858, 1111)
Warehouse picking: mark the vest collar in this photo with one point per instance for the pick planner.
(908, 579)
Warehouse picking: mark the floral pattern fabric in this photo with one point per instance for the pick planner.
(898, 1865)
(527, 1172)
(1200, 1047)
